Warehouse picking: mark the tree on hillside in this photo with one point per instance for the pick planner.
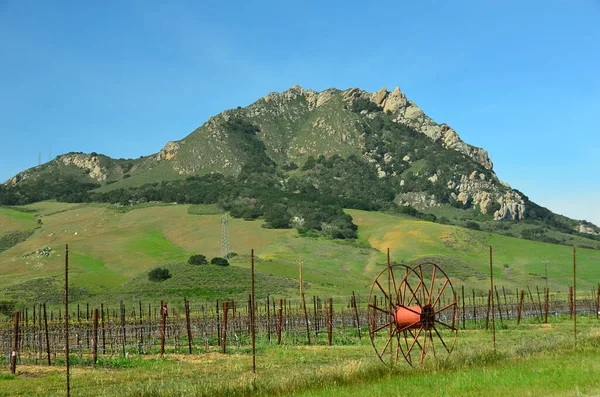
(159, 274)
(197, 260)
(219, 261)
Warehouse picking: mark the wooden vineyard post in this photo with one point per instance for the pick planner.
(279, 321)
(492, 300)
(103, 329)
(218, 318)
(187, 323)
(575, 296)
(67, 319)
(47, 337)
(505, 302)
(474, 309)
(95, 340)
(87, 324)
(520, 306)
(356, 313)
(163, 314)
(540, 303)
(15, 350)
(499, 308)
(571, 302)
(546, 304)
(531, 298)
(487, 313)
(315, 320)
(598, 303)
(330, 330)
(224, 330)
(141, 323)
(268, 320)
(463, 305)
(252, 312)
(123, 330)
(306, 319)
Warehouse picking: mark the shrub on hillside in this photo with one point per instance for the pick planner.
(159, 274)
(219, 261)
(197, 260)
(7, 307)
(473, 225)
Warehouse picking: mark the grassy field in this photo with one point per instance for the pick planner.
(112, 249)
(530, 359)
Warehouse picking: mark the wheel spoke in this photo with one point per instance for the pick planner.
(394, 284)
(441, 291)
(432, 283)
(441, 339)
(446, 307)
(408, 326)
(406, 271)
(384, 293)
(382, 327)
(406, 346)
(445, 325)
(410, 310)
(386, 344)
(397, 348)
(423, 286)
(424, 350)
(432, 344)
(380, 309)
(416, 340)
(414, 295)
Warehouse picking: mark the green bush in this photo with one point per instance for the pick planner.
(7, 307)
(159, 274)
(197, 260)
(360, 104)
(472, 225)
(9, 240)
(219, 261)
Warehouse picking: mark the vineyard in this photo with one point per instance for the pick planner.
(408, 312)
(146, 329)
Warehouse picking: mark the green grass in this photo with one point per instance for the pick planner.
(91, 274)
(530, 360)
(154, 246)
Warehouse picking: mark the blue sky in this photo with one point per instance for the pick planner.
(122, 78)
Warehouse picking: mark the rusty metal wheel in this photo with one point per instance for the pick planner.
(383, 300)
(418, 316)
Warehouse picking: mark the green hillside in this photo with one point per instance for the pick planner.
(112, 249)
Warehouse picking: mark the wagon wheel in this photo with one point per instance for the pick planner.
(383, 300)
(427, 296)
(421, 314)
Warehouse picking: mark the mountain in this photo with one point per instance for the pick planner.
(343, 148)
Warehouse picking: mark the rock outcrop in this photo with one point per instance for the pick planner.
(488, 196)
(90, 163)
(588, 229)
(407, 112)
(168, 152)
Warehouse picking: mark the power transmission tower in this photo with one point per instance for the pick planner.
(225, 249)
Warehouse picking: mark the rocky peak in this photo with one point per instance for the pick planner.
(88, 162)
(407, 112)
(168, 152)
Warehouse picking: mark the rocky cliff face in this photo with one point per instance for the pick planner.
(89, 163)
(408, 113)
